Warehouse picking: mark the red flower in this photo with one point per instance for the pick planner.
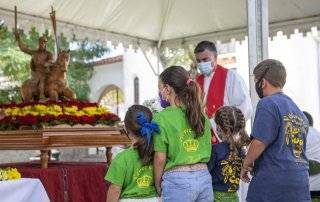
(47, 118)
(85, 119)
(27, 120)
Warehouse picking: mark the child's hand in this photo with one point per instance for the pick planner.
(158, 188)
(244, 174)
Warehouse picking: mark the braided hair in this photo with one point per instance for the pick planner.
(232, 123)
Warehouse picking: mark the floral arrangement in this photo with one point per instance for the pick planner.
(9, 174)
(153, 104)
(51, 113)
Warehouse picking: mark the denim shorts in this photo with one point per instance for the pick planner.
(191, 186)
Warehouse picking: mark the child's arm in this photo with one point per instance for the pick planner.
(159, 162)
(113, 193)
(255, 150)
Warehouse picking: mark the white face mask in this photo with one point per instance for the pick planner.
(205, 68)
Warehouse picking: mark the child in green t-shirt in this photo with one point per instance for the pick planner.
(183, 145)
(226, 159)
(131, 172)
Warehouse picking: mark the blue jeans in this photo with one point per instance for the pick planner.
(192, 186)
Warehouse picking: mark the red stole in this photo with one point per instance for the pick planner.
(216, 90)
(215, 96)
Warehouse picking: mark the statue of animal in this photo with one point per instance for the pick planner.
(56, 82)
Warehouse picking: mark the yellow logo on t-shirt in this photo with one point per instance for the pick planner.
(294, 130)
(230, 168)
(191, 145)
(144, 181)
(187, 140)
(141, 177)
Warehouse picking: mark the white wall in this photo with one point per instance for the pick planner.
(103, 76)
(122, 74)
(300, 55)
(136, 65)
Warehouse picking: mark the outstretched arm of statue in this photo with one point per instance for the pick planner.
(22, 46)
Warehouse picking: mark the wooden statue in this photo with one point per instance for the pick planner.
(48, 78)
(56, 82)
(41, 60)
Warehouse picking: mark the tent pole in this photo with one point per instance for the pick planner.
(258, 32)
(165, 20)
(149, 62)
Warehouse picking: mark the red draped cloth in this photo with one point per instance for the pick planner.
(215, 97)
(74, 182)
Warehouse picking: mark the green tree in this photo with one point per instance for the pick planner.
(183, 57)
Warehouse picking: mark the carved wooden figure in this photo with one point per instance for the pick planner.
(56, 82)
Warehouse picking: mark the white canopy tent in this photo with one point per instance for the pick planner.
(157, 24)
(162, 23)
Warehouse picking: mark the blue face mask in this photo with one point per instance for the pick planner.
(205, 68)
(164, 103)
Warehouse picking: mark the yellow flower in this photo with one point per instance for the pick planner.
(39, 107)
(13, 111)
(3, 175)
(9, 174)
(103, 109)
(70, 110)
(80, 113)
(13, 174)
(91, 111)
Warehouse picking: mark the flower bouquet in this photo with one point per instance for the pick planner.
(37, 115)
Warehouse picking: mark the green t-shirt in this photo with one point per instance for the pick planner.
(177, 139)
(127, 171)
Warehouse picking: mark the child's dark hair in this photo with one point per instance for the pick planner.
(145, 149)
(271, 70)
(231, 121)
(187, 92)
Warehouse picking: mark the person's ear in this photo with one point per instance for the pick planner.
(264, 83)
(170, 90)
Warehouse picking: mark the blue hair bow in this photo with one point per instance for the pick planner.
(147, 128)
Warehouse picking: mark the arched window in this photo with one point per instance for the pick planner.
(112, 98)
(136, 90)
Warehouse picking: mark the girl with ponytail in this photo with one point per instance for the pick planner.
(226, 159)
(183, 145)
(131, 172)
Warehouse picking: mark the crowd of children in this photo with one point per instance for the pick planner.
(172, 158)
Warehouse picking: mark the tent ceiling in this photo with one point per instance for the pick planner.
(158, 20)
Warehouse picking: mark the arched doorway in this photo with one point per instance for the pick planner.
(112, 98)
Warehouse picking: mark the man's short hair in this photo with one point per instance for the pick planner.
(205, 45)
(271, 70)
(309, 117)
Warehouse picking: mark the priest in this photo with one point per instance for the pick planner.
(220, 86)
